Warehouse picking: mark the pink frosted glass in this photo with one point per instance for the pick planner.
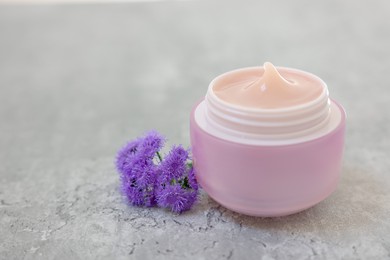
(267, 180)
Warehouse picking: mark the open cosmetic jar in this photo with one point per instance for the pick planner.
(267, 141)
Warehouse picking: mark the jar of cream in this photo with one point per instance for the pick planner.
(267, 141)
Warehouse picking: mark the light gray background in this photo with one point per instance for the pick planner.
(77, 81)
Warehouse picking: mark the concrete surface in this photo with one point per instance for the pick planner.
(77, 81)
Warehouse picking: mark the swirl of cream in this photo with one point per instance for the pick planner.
(267, 88)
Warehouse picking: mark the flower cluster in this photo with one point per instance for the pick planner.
(147, 179)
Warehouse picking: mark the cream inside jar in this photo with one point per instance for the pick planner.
(267, 88)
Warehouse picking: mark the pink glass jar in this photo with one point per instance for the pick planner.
(267, 162)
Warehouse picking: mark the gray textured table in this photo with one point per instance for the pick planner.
(77, 81)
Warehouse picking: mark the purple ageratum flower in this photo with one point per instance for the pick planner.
(176, 198)
(177, 186)
(126, 155)
(133, 193)
(170, 184)
(174, 164)
(137, 169)
(151, 144)
(192, 179)
(139, 149)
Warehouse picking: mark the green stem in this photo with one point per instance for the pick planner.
(159, 156)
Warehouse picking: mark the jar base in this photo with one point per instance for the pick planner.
(267, 180)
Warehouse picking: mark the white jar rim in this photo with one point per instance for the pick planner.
(288, 125)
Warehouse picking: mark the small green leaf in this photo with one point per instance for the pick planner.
(190, 165)
(184, 183)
